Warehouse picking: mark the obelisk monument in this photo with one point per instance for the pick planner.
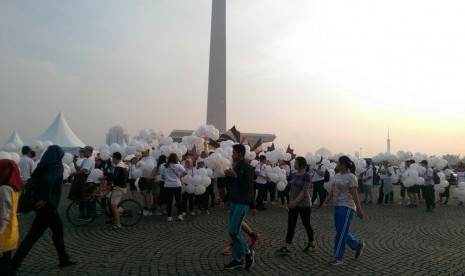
(216, 105)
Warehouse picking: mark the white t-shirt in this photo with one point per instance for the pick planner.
(341, 185)
(261, 168)
(192, 172)
(89, 165)
(172, 175)
(317, 177)
(368, 173)
(25, 167)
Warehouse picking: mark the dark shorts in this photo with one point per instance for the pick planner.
(143, 185)
(413, 189)
(132, 185)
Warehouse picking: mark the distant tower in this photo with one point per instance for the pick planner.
(216, 106)
(388, 143)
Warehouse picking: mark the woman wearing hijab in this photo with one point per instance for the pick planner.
(47, 192)
(10, 185)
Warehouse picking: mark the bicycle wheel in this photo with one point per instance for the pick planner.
(130, 212)
(74, 213)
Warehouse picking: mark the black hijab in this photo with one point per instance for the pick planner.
(52, 157)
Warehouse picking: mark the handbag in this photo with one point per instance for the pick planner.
(26, 201)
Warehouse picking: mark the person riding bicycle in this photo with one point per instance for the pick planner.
(119, 176)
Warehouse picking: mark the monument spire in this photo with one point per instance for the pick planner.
(216, 103)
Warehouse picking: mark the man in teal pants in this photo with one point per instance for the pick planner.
(240, 197)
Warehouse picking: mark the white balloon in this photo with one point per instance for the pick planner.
(137, 173)
(115, 147)
(199, 189)
(281, 186)
(190, 188)
(103, 147)
(15, 157)
(95, 174)
(66, 171)
(105, 155)
(206, 181)
(37, 145)
(68, 158)
(5, 155)
(254, 163)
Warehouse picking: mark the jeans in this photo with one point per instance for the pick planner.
(170, 192)
(319, 190)
(46, 217)
(292, 217)
(342, 220)
(236, 217)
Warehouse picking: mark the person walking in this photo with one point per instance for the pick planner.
(345, 200)
(240, 197)
(46, 194)
(319, 182)
(299, 205)
(10, 184)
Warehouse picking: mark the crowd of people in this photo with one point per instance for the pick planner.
(243, 187)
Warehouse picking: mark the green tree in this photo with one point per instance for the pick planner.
(452, 159)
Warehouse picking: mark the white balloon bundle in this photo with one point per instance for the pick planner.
(218, 163)
(95, 174)
(459, 192)
(5, 155)
(411, 177)
(443, 184)
(207, 132)
(15, 157)
(197, 184)
(66, 171)
(278, 176)
(37, 145)
(391, 158)
(105, 154)
(67, 158)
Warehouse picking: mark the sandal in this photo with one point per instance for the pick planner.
(115, 227)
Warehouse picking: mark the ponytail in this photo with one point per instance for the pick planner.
(349, 164)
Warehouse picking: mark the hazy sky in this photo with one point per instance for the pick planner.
(314, 72)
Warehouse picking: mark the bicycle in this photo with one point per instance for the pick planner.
(130, 210)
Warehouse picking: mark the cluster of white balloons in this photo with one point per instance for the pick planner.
(207, 132)
(197, 184)
(459, 192)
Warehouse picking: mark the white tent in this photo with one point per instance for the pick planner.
(15, 139)
(59, 133)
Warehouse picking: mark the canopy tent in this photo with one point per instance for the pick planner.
(59, 133)
(14, 139)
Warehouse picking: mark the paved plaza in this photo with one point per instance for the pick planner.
(399, 241)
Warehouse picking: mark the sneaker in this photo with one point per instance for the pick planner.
(149, 213)
(87, 219)
(309, 247)
(207, 212)
(180, 218)
(199, 212)
(283, 251)
(170, 219)
(359, 250)
(192, 213)
(429, 210)
(234, 264)
(183, 213)
(336, 262)
(249, 260)
(157, 213)
(66, 263)
(254, 240)
(228, 248)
